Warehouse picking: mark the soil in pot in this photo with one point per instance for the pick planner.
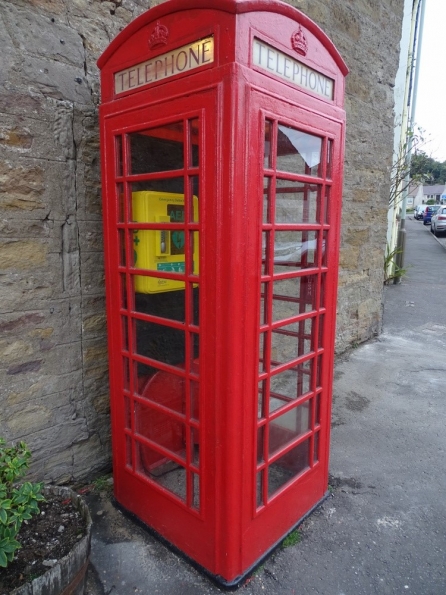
(45, 539)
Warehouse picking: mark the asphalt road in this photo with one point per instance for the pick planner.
(423, 285)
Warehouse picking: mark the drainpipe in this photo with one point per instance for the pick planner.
(412, 101)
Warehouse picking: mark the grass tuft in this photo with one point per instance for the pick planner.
(293, 538)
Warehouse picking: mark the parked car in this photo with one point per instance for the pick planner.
(418, 212)
(438, 221)
(427, 215)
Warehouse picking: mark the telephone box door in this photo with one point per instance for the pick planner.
(155, 228)
(297, 264)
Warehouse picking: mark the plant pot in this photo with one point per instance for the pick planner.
(67, 576)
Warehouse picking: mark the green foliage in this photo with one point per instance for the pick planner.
(292, 539)
(423, 166)
(18, 502)
(391, 269)
(103, 484)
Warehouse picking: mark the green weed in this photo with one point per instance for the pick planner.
(293, 538)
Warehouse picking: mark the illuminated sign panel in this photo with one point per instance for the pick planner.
(188, 57)
(272, 60)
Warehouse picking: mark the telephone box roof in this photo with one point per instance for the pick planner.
(230, 6)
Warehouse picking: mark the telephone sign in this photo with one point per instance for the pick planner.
(184, 59)
(222, 131)
(290, 69)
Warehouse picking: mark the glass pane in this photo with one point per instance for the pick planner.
(126, 373)
(146, 284)
(262, 355)
(157, 149)
(267, 187)
(260, 444)
(288, 427)
(283, 389)
(166, 389)
(194, 142)
(321, 331)
(324, 248)
(125, 334)
(195, 317)
(327, 204)
(162, 429)
(122, 211)
(323, 292)
(173, 480)
(162, 470)
(194, 189)
(291, 341)
(266, 252)
(127, 414)
(123, 282)
(298, 152)
(194, 400)
(267, 144)
(329, 158)
(294, 296)
(118, 146)
(317, 420)
(193, 267)
(260, 498)
(263, 302)
(196, 491)
(295, 250)
(304, 377)
(170, 305)
(194, 349)
(316, 448)
(287, 467)
(128, 451)
(173, 186)
(289, 385)
(319, 371)
(195, 447)
(160, 342)
(262, 396)
(122, 250)
(297, 202)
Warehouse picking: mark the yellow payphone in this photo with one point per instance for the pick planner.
(161, 250)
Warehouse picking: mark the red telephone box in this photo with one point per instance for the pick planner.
(222, 131)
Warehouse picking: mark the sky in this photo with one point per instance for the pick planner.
(430, 113)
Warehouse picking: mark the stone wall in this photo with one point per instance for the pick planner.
(53, 352)
(367, 34)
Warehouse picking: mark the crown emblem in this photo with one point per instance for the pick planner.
(159, 36)
(299, 42)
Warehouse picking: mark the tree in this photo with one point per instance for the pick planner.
(424, 167)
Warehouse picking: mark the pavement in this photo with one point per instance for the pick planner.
(383, 528)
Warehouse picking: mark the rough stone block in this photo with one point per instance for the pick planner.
(91, 236)
(21, 186)
(37, 189)
(23, 255)
(34, 34)
(57, 80)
